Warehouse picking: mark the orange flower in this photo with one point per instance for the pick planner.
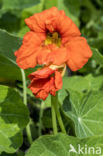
(53, 39)
(45, 81)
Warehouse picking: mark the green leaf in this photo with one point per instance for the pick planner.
(70, 9)
(14, 117)
(8, 70)
(8, 45)
(19, 153)
(23, 31)
(33, 9)
(15, 7)
(74, 9)
(83, 83)
(5, 154)
(97, 56)
(85, 112)
(18, 4)
(7, 19)
(48, 101)
(8, 67)
(96, 83)
(27, 12)
(49, 4)
(77, 83)
(60, 145)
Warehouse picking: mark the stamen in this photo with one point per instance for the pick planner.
(53, 38)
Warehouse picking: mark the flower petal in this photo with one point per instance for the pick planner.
(43, 83)
(37, 21)
(59, 56)
(58, 80)
(37, 85)
(52, 55)
(41, 74)
(67, 28)
(42, 94)
(52, 89)
(78, 53)
(26, 55)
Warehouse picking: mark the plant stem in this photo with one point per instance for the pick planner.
(28, 131)
(54, 121)
(40, 118)
(59, 115)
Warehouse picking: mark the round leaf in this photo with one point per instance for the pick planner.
(61, 145)
(14, 117)
(85, 111)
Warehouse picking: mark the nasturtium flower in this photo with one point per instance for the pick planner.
(53, 39)
(45, 81)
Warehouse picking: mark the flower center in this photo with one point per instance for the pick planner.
(53, 38)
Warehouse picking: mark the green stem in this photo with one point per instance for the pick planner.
(40, 118)
(60, 120)
(54, 121)
(59, 115)
(28, 131)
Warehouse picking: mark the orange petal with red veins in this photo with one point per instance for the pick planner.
(26, 54)
(41, 74)
(37, 21)
(62, 12)
(67, 28)
(52, 55)
(78, 53)
(37, 85)
(43, 83)
(42, 94)
(59, 56)
(52, 86)
(58, 80)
